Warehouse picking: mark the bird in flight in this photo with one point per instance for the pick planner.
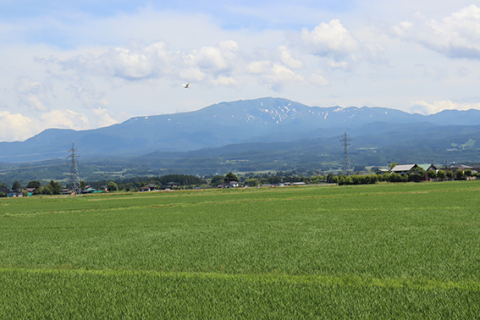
(186, 86)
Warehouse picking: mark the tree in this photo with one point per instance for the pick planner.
(459, 174)
(253, 182)
(16, 186)
(52, 188)
(330, 178)
(393, 165)
(230, 177)
(217, 180)
(468, 172)
(34, 184)
(39, 190)
(441, 174)
(82, 185)
(264, 181)
(416, 174)
(112, 186)
(449, 174)
(275, 179)
(432, 174)
(3, 185)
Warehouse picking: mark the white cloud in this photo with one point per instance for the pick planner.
(86, 92)
(15, 127)
(209, 58)
(258, 67)
(456, 35)
(224, 81)
(102, 119)
(280, 76)
(288, 60)
(318, 80)
(329, 39)
(64, 119)
(32, 94)
(437, 106)
(117, 62)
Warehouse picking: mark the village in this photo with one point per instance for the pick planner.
(396, 173)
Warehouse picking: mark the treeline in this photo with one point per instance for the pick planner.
(139, 182)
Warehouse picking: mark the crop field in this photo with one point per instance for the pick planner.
(384, 251)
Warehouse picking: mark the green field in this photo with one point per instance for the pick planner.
(383, 251)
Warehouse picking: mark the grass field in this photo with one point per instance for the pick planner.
(376, 251)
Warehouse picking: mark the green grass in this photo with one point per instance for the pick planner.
(376, 251)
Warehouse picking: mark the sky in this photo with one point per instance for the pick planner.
(84, 64)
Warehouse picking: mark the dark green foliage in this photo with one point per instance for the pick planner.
(50, 188)
(253, 182)
(34, 184)
(357, 179)
(136, 182)
(458, 174)
(441, 174)
(230, 177)
(53, 188)
(416, 174)
(112, 186)
(217, 180)
(16, 186)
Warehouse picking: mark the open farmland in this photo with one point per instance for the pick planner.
(375, 251)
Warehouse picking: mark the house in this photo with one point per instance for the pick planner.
(456, 167)
(169, 186)
(233, 184)
(67, 191)
(427, 166)
(402, 168)
(11, 193)
(31, 190)
(151, 187)
(88, 189)
(382, 171)
(172, 185)
(5, 190)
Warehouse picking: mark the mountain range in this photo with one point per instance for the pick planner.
(264, 127)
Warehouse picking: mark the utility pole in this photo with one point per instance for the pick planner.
(74, 180)
(346, 158)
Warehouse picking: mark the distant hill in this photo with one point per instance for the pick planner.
(263, 120)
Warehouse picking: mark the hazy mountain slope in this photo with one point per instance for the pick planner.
(260, 120)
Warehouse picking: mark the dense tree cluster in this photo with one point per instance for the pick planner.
(133, 184)
(50, 188)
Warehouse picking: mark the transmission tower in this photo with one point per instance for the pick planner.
(346, 158)
(74, 180)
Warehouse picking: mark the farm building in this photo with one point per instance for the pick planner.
(402, 168)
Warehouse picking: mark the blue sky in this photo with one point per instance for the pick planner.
(87, 64)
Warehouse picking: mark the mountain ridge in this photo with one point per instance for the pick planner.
(225, 123)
